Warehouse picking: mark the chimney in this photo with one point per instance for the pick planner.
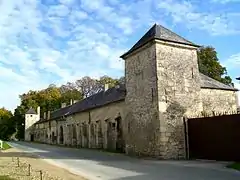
(38, 110)
(63, 105)
(48, 115)
(44, 115)
(71, 102)
(106, 86)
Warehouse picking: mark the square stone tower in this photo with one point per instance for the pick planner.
(31, 117)
(163, 85)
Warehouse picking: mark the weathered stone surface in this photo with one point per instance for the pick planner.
(141, 102)
(219, 100)
(178, 94)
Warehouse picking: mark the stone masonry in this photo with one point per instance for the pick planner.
(178, 94)
(141, 100)
(212, 98)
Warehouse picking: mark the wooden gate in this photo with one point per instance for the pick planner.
(215, 138)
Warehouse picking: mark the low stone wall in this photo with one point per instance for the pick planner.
(218, 100)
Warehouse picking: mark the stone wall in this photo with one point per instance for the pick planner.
(97, 128)
(178, 95)
(141, 102)
(218, 100)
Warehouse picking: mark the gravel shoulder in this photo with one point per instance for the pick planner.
(9, 167)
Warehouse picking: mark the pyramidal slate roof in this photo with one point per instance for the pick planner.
(161, 33)
(31, 111)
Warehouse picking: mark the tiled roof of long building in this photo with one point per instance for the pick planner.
(97, 100)
(207, 82)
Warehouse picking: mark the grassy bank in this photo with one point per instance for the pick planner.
(5, 178)
(6, 146)
(235, 166)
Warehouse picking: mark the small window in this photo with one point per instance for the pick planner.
(129, 128)
(113, 125)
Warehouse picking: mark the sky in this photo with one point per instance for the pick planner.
(58, 41)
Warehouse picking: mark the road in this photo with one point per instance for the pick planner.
(96, 165)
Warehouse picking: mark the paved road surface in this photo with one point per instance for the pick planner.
(96, 165)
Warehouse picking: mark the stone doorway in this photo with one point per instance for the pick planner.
(99, 135)
(74, 135)
(53, 137)
(32, 137)
(85, 135)
(120, 145)
(92, 135)
(61, 135)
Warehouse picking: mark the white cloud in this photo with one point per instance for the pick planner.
(186, 13)
(233, 65)
(233, 62)
(58, 10)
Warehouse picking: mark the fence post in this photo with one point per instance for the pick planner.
(29, 169)
(41, 175)
(18, 162)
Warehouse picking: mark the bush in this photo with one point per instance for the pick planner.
(235, 166)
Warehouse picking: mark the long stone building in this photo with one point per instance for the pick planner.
(144, 117)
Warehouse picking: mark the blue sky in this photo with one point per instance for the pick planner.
(56, 41)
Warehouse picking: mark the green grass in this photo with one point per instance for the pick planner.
(6, 146)
(235, 165)
(5, 178)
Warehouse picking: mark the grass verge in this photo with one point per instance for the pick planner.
(235, 165)
(6, 146)
(5, 178)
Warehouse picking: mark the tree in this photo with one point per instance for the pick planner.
(209, 65)
(107, 80)
(87, 86)
(70, 92)
(7, 125)
(19, 119)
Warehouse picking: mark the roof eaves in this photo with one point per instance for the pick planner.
(85, 110)
(219, 88)
(162, 39)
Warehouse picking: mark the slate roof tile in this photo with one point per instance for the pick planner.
(161, 33)
(97, 100)
(31, 111)
(207, 82)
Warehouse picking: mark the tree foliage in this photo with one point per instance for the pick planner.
(7, 125)
(209, 65)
